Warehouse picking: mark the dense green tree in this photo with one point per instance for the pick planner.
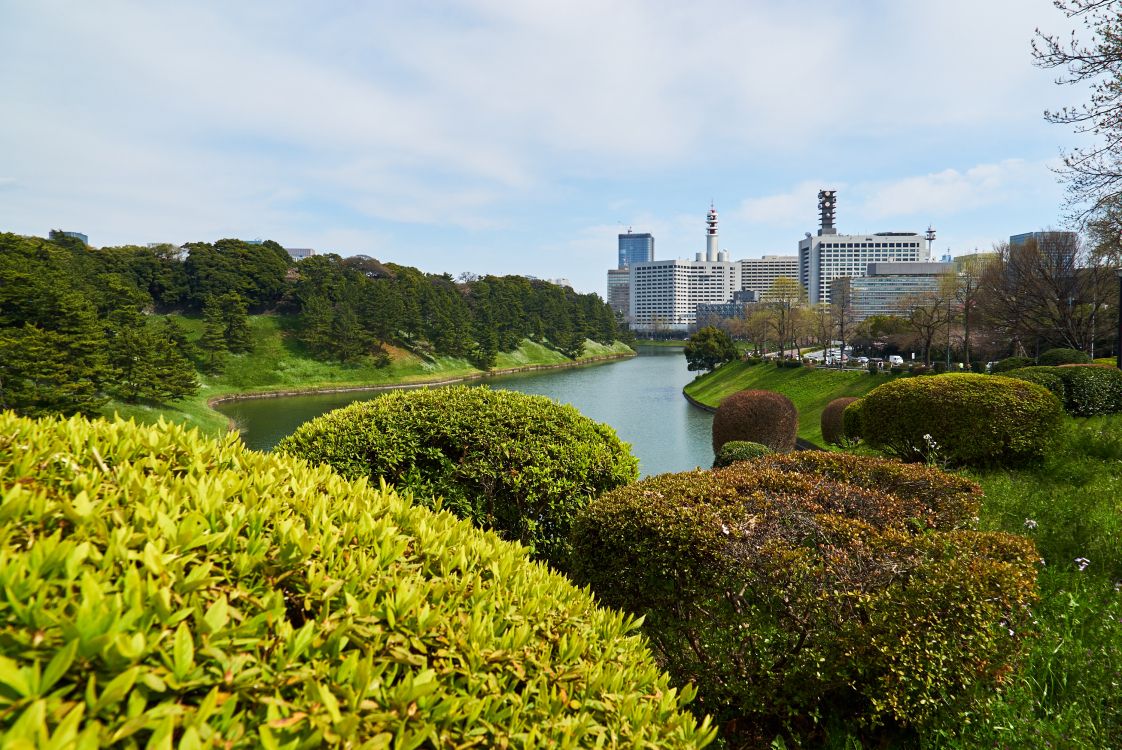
(212, 344)
(709, 348)
(256, 272)
(235, 323)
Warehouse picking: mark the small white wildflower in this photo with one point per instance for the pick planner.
(1030, 524)
(1082, 562)
(724, 529)
(1118, 585)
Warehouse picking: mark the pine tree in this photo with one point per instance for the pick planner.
(132, 354)
(213, 341)
(236, 323)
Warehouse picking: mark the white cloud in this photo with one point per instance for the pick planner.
(794, 207)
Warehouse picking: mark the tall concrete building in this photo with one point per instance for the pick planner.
(619, 287)
(888, 288)
(829, 255)
(758, 274)
(664, 294)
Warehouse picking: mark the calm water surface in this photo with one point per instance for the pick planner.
(640, 397)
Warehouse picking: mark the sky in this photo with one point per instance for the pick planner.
(521, 137)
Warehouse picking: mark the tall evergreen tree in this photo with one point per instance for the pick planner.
(213, 341)
(235, 323)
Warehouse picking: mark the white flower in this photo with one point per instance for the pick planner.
(1082, 562)
(724, 529)
(1030, 524)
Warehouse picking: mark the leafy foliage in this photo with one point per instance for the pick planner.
(757, 416)
(962, 419)
(158, 587)
(708, 349)
(1011, 363)
(1054, 357)
(1085, 390)
(853, 427)
(521, 465)
(833, 426)
(739, 450)
(791, 597)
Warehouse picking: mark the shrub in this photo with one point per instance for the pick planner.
(159, 587)
(1054, 357)
(833, 427)
(1086, 390)
(789, 597)
(518, 464)
(1011, 363)
(939, 367)
(978, 367)
(739, 450)
(918, 369)
(754, 359)
(873, 368)
(896, 369)
(962, 419)
(852, 426)
(757, 416)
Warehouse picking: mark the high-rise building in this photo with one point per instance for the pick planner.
(758, 274)
(890, 288)
(637, 247)
(619, 287)
(664, 294)
(1058, 250)
(830, 255)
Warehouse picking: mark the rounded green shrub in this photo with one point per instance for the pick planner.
(756, 416)
(518, 464)
(832, 420)
(852, 426)
(1086, 390)
(1054, 357)
(739, 450)
(962, 419)
(1010, 363)
(161, 589)
(789, 596)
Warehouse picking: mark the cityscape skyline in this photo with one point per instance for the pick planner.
(507, 138)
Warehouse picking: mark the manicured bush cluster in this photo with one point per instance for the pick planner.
(1010, 363)
(962, 419)
(1054, 357)
(757, 416)
(1086, 390)
(788, 596)
(788, 362)
(739, 450)
(852, 425)
(833, 426)
(160, 589)
(518, 464)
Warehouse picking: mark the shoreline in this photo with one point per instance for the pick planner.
(229, 397)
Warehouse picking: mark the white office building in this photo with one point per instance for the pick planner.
(758, 274)
(830, 255)
(664, 294)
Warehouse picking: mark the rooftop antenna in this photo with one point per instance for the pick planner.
(930, 236)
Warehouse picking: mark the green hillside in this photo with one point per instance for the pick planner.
(810, 388)
(279, 363)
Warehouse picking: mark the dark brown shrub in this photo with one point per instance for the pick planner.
(833, 427)
(785, 594)
(757, 416)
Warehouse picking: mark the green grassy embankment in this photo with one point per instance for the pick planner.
(278, 363)
(810, 388)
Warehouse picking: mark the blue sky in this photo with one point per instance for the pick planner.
(513, 136)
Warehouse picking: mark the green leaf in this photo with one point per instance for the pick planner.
(117, 689)
(184, 651)
(217, 616)
(14, 677)
(58, 666)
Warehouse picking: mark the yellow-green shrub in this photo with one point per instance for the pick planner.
(520, 465)
(961, 419)
(739, 450)
(789, 597)
(158, 589)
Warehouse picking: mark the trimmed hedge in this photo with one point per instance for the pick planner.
(1011, 363)
(962, 419)
(739, 450)
(790, 597)
(756, 416)
(518, 464)
(832, 420)
(852, 424)
(160, 588)
(1086, 390)
(1054, 357)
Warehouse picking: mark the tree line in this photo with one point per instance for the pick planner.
(81, 325)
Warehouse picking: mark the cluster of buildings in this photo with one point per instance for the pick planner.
(881, 270)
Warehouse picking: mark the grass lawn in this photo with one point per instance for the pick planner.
(279, 363)
(810, 388)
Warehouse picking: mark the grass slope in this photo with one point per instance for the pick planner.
(810, 388)
(279, 363)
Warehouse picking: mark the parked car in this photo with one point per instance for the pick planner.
(863, 361)
(895, 360)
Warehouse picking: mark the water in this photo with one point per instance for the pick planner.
(641, 398)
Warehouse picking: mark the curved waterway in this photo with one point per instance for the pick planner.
(640, 397)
